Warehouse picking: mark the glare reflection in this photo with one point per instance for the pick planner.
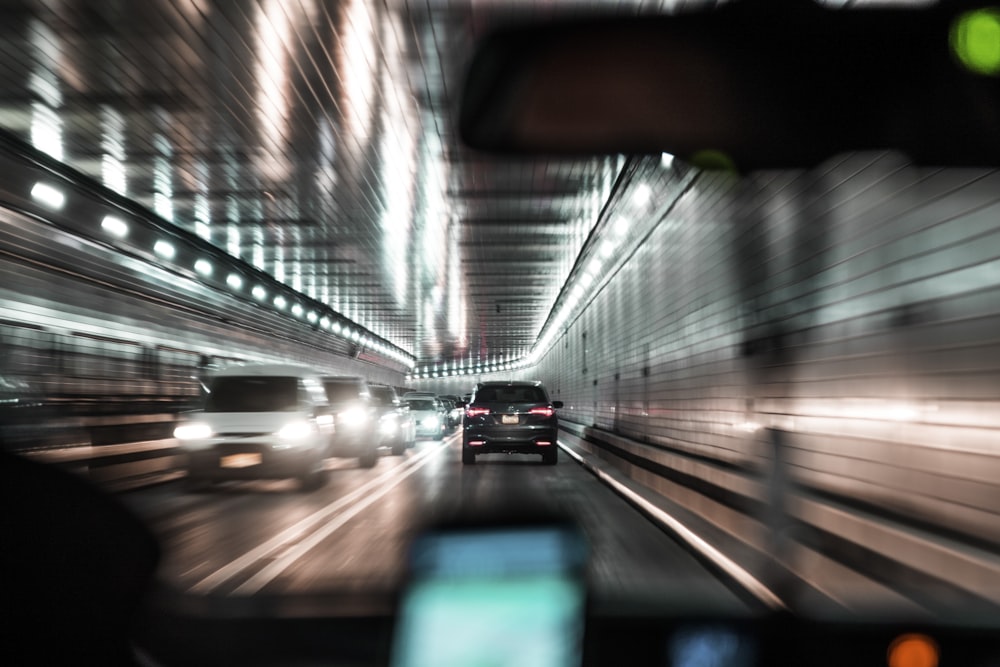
(113, 146)
(398, 154)
(355, 65)
(46, 130)
(273, 33)
(163, 188)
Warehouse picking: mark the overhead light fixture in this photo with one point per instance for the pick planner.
(311, 316)
(115, 226)
(204, 267)
(666, 160)
(48, 195)
(164, 250)
(642, 194)
(297, 310)
(234, 280)
(621, 225)
(259, 293)
(279, 302)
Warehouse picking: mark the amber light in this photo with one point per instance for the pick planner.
(913, 650)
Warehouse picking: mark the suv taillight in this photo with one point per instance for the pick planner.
(476, 412)
(544, 412)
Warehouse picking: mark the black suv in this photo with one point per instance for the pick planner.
(510, 417)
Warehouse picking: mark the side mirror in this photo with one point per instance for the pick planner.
(557, 404)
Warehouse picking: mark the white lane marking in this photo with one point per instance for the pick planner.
(230, 570)
(287, 559)
(723, 562)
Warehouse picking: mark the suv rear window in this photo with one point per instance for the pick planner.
(421, 404)
(511, 395)
(236, 393)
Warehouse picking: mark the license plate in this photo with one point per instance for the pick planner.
(508, 419)
(241, 460)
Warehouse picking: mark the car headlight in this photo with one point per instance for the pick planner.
(430, 422)
(193, 431)
(387, 424)
(298, 430)
(355, 416)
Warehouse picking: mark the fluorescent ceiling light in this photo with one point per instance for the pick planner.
(115, 226)
(48, 195)
(164, 250)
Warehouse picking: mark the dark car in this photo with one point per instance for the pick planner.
(453, 406)
(510, 417)
(356, 433)
(396, 428)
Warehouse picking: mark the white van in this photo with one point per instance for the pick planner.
(259, 421)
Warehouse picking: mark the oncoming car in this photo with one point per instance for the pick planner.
(396, 428)
(355, 434)
(259, 421)
(431, 423)
(513, 418)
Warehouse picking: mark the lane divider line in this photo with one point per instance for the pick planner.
(287, 559)
(723, 562)
(233, 568)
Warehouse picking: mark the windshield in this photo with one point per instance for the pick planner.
(253, 394)
(750, 352)
(338, 392)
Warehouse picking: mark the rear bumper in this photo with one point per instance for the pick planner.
(524, 440)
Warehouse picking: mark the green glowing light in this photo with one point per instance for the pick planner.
(713, 160)
(975, 39)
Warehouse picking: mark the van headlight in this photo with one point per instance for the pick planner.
(193, 431)
(355, 416)
(387, 424)
(297, 430)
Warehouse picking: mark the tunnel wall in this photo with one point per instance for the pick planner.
(85, 328)
(848, 315)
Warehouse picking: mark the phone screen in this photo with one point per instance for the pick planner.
(503, 598)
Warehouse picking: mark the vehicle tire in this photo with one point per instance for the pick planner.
(368, 459)
(468, 457)
(312, 480)
(399, 447)
(550, 458)
(194, 483)
(314, 477)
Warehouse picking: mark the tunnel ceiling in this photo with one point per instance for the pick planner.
(316, 141)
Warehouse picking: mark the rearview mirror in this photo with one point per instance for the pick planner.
(748, 85)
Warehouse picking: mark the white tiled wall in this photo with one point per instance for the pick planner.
(855, 307)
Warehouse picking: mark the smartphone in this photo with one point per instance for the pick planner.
(509, 596)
